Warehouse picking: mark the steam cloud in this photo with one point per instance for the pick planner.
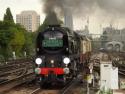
(113, 6)
(80, 7)
(76, 6)
(108, 11)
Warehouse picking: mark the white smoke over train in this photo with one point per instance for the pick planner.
(82, 7)
(108, 12)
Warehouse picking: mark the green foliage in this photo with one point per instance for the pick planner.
(29, 44)
(17, 41)
(5, 38)
(8, 16)
(13, 37)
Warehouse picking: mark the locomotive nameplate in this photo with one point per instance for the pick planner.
(52, 43)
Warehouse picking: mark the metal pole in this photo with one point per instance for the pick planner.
(93, 80)
(88, 78)
(88, 88)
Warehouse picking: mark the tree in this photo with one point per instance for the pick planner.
(17, 41)
(13, 37)
(8, 16)
(28, 45)
(5, 38)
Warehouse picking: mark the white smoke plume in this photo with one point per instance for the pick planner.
(79, 7)
(111, 11)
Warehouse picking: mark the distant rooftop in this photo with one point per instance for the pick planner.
(28, 12)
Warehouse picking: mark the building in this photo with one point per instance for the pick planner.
(113, 34)
(29, 19)
(113, 38)
(68, 18)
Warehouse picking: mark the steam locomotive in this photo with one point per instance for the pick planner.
(59, 54)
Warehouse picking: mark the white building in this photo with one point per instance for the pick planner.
(29, 19)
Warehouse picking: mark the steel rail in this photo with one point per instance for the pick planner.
(64, 90)
(15, 82)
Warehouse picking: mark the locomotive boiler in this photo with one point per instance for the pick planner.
(58, 55)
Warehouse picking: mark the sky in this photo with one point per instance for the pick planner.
(97, 19)
(17, 6)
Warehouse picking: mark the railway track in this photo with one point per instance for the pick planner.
(15, 82)
(121, 67)
(10, 67)
(16, 74)
(63, 90)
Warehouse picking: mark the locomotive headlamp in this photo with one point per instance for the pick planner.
(66, 60)
(52, 61)
(37, 70)
(38, 61)
(66, 70)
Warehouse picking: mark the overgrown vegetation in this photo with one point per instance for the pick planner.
(14, 38)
